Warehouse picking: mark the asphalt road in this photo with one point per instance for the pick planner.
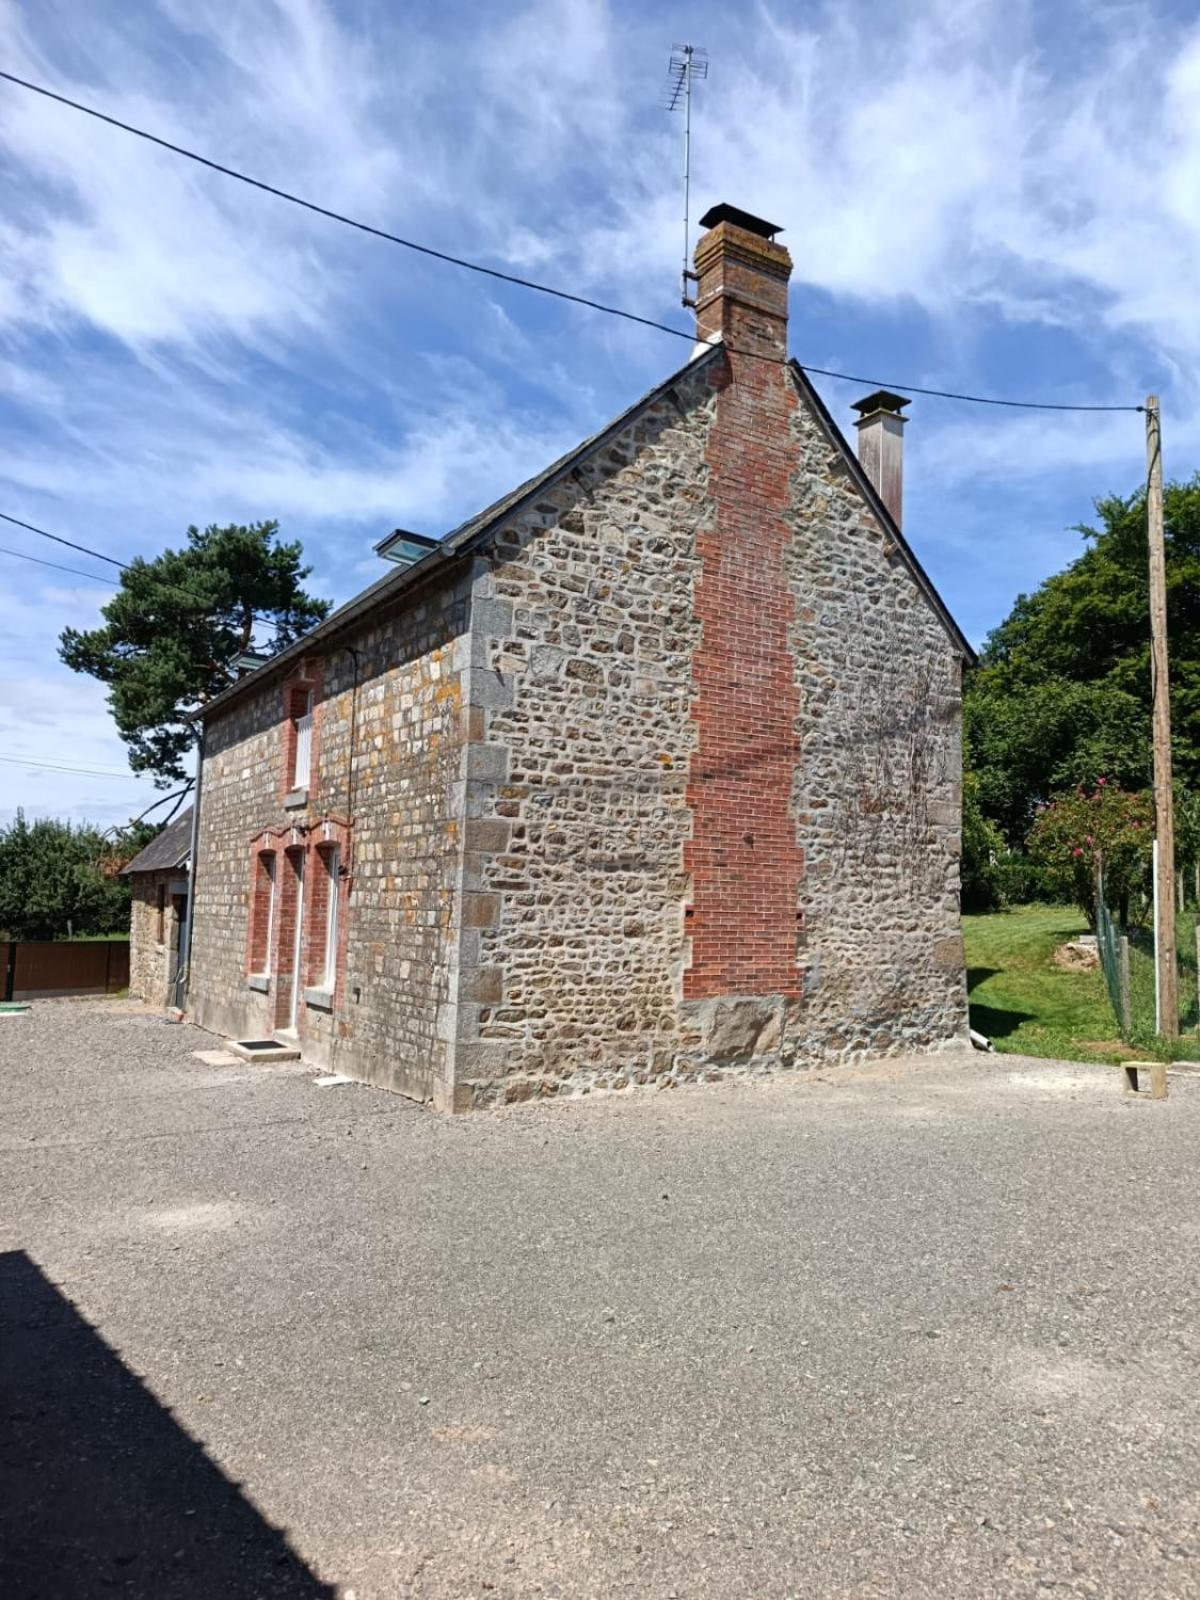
(922, 1331)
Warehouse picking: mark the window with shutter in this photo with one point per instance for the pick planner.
(303, 758)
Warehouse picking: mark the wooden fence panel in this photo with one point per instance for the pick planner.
(43, 969)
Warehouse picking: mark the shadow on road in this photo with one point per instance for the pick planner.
(101, 1490)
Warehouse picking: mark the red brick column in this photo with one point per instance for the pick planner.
(745, 864)
(258, 920)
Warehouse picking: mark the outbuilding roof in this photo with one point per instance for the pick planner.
(167, 849)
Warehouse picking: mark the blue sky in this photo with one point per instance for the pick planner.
(977, 194)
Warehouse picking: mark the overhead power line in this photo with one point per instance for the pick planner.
(509, 277)
(70, 543)
(60, 766)
(950, 394)
(178, 795)
(99, 555)
(337, 216)
(55, 566)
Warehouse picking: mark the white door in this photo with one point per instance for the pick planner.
(298, 944)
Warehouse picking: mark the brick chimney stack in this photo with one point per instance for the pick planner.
(881, 446)
(744, 858)
(742, 282)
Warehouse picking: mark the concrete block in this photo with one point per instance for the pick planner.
(492, 618)
(488, 834)
(737, 1027)
(269, 1051)
(490, 689)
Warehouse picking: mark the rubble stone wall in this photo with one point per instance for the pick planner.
(576, 948)
(878, 787)
(151, 966)
(574, 940)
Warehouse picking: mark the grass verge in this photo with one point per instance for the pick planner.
(1027, 1005)
(1022, 1001)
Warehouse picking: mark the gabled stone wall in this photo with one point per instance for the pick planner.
(792, 688)
(574, 941)
(624, 709)
(878, 786)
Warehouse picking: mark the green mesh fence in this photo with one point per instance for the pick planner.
(1114, 959)
(1128, 966)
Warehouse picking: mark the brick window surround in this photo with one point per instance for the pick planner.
(313, 845)
(320, 965)
(293, 873)
(301, 694)
(264, 875)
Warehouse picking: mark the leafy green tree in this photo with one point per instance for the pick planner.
(174, 628)
(1062, 691)
(982, 848)
(1085, 831)
(58, 880)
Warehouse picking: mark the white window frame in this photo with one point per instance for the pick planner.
(332, 858)
(302, 765)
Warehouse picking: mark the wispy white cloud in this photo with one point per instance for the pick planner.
(964, 190)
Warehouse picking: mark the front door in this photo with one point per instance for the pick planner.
(297, 943)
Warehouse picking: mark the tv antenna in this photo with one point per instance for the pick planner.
(688, 62)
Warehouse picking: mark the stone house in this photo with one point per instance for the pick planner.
(648, 772)
(158, 878)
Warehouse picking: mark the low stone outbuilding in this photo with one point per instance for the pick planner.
(158, 877)
(649, 772)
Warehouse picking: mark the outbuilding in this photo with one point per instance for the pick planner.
(158, 876)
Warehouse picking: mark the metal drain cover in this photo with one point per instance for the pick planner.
(263, 1050)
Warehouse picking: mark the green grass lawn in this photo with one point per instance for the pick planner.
(1027, 1005)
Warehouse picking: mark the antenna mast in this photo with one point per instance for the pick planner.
(688, 61)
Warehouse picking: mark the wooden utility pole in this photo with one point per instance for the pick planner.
(1164, 800)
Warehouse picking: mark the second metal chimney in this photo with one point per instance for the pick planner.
(881, 446)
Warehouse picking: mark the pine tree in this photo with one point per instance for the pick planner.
(171, 633)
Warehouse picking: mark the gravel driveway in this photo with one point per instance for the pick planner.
(923, 1331)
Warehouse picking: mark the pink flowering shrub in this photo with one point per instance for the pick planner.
(1082, 830)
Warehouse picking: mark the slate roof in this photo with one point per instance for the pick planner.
(170, 848)
(459, 541)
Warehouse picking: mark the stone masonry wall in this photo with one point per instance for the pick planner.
(150, 960)
(574, 940)
(878, 787)
(516, 808)
(575, 953)
(402, 929)
(391, 797)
